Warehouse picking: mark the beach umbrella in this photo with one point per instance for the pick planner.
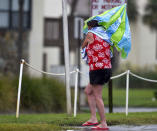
(115, 29)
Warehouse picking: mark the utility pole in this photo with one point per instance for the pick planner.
(66, 56)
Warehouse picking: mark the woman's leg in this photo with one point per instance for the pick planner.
(97, 91)
(91, 102)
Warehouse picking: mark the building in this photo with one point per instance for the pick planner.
(43, 19)
(144, 46)
(46, 37)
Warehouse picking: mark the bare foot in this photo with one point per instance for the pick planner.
(93, 120)
(103, 125)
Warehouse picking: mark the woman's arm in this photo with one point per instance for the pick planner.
(89, 39)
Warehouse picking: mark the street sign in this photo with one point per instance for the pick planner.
(99, 6)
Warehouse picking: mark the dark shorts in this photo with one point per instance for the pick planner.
(99, 77)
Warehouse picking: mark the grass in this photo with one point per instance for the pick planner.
(137, 97)
(49, 122)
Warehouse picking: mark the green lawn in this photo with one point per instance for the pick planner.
(137, 97)
(49, 122)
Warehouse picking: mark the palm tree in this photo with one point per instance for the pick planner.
(132, 10)
(150, 17)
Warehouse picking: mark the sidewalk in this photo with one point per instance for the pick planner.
(123, 128)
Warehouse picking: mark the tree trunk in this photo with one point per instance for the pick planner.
(73, 7)
(20, 32)
(156, 45)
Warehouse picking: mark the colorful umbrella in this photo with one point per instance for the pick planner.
(116, 29)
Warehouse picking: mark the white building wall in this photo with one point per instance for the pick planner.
(143, 49)
(53, 55)
(53, 8)
(147, 44)
(36, 36)
(143, 39)
(42, 9)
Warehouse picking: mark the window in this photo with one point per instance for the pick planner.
(52, 32)
(9, 14)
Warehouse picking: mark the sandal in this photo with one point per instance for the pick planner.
(90, 123)
(100, 128)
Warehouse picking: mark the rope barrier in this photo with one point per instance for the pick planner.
(76, 84)
(62, 74)
(83, 74)
(77, 70)
(114, 77)
(142, 78)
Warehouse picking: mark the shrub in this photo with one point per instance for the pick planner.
(37, 94)
(42, 95)
(7, 95)
(135, 82)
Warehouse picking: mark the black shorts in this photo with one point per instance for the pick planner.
(99, 77)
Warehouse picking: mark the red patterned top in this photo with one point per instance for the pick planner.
(98, 53)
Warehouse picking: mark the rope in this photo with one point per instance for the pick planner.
(83, 74)
(54, 74)
(142, 78)
(77, 70)
(114, 77)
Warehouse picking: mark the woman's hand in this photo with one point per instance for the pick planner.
(89, 39)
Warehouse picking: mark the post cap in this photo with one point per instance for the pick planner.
(77, 70)
(22, 61)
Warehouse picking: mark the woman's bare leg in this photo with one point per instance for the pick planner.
(97, 91)
(91, 102)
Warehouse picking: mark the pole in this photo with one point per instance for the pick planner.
(20, 30)
(66, 56)
(78, 34)
(76, 92)
(78, 59)
(110, 96)
(19, 88)
(127, 91)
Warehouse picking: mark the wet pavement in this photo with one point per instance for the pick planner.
(122, 128)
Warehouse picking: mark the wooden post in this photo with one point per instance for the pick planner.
(110, 96)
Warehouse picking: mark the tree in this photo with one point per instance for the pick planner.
(132, 10)
(20, 32)
(73, 4)
(150, 17)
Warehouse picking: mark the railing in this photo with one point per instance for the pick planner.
(76, 71)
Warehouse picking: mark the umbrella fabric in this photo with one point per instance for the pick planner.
(116, 27)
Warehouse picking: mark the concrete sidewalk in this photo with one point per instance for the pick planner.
(123, 128)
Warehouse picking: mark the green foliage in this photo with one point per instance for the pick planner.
(50, 122)
(42, 95)
(141, 93)
(7, 95)
(150, 17)
(137, 97)
(135, 82)
(132, 10)
(29, 127)
(37, 95)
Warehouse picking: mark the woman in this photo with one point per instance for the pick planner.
(98, 54)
